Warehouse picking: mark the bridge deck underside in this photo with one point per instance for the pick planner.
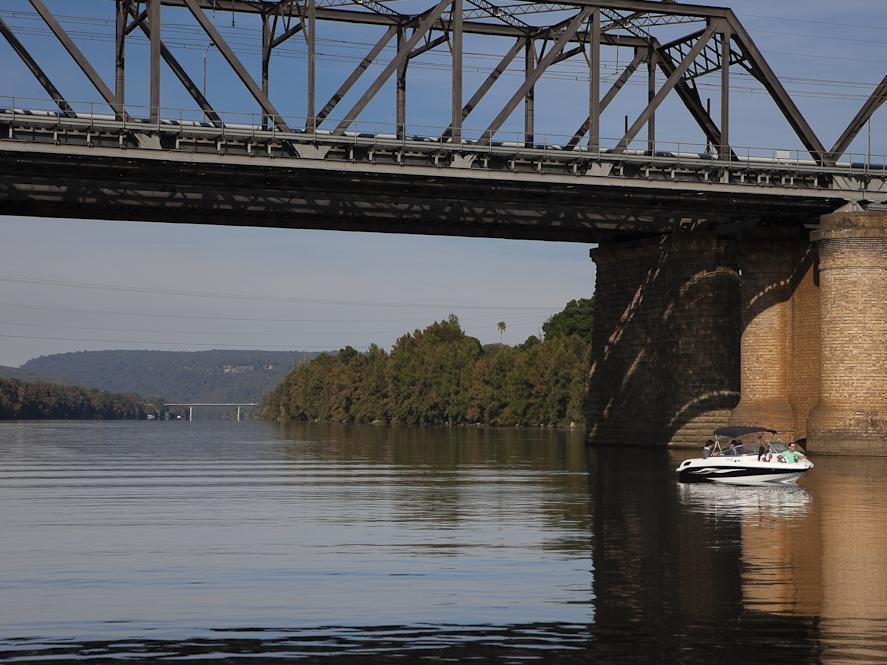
(141, 185)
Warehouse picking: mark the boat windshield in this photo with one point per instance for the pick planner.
(777, 447)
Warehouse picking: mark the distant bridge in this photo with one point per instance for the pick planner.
(191, 406)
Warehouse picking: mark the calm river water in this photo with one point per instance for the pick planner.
(240, 542)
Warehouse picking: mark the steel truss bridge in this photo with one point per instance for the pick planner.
(323, 169)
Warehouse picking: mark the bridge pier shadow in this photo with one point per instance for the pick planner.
(665, 359)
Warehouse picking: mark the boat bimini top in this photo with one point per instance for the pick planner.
(742, 430)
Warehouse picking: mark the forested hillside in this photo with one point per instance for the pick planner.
(21, 400)
(186, 376)
(440, 375)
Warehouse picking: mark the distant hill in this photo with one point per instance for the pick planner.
(183, 376)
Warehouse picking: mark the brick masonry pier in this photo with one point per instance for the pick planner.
(665, 367)
(772, 263)
(851, 416)
(775, 328)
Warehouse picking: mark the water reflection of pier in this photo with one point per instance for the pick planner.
(740, 574)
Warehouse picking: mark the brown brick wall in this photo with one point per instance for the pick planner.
(772, 263)
(851, 416)
(665, 340)
(803, 386)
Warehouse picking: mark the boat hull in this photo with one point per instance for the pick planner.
(746, 470)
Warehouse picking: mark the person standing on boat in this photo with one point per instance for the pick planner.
(706, 450)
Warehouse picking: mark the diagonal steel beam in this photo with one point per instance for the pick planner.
(38, 73)
(356, 72)
(78, 56)
(668, 86)
(236, 65)
(282, 37)
(566, 55)
(690, 97)
(777, 92)
(499, 13)
(488, 82)
(402, 55)
(878, 97)
(377, 7)
(537, 72)
(135, 23)
(182, 75)
(434, 43)
(618, 84)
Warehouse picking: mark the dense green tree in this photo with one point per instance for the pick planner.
(22, 400)
(575, 319)
(440, 375)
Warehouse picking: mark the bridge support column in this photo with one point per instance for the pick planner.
(773, 263)
(665, 368)
(851, 416)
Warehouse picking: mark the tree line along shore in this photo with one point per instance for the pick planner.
(442, 376)
(435, 376)
(36, 400)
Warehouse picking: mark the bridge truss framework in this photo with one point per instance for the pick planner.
(637, 183)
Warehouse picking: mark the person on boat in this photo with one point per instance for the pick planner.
(793, 454)
(707, 449)
(730, 449)
(737, 447)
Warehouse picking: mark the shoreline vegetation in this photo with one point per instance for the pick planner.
(38, 400)
(441, 376)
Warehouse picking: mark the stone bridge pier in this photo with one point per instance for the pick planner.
(665, 341)
(775, 327)
(851, 414)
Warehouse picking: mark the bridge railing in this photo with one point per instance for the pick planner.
(386, 134)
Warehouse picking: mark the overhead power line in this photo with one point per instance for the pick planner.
(153, 343)
(217, 333)
(252, 319)
(260, 298)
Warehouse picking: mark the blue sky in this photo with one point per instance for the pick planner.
(190, 280)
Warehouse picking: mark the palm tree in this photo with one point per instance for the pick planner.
(501, 327)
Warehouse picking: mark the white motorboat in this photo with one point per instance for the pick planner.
(768, 464)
